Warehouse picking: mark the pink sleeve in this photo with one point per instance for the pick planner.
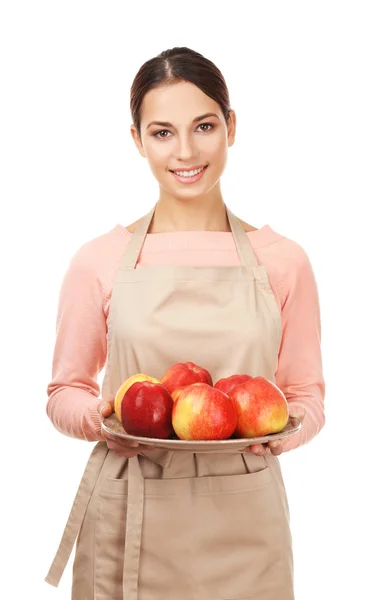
(299, 373)
(80, 351)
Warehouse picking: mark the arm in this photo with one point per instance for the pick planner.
(299, 373)
(79, 353)
(81, 349)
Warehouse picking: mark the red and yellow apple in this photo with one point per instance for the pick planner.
(227, 384)
(182, 374)
(201, 412)
(125, 386)
(261, 408)
(146, 410)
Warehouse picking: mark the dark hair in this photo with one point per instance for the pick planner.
(175, 65)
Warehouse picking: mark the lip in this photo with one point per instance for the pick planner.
(189, 168)
(190, 179)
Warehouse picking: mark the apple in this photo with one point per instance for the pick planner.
(201, 412)
(176, 392)
(125, 386)
(182, 374)
(227, 384)
(146, 410)
(261, 408)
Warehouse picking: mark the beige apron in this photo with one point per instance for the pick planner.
(183, 525)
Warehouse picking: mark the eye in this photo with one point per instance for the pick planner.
(163, 137)
(162, 131)
(208, 125)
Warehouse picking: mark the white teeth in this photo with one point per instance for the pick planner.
(188, 173)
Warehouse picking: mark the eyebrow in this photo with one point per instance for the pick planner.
(195, 120)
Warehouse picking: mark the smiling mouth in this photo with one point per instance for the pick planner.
(187, 170)
(189, 179)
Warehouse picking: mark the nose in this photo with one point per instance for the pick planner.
(185, 148)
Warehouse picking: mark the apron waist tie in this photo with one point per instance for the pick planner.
(77, 513)
(134, 521)
(134, 517)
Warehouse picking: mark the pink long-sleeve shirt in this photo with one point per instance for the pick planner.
(81, 346)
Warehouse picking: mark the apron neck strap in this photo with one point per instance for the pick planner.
(243, 245)
(244, 248)
(136, 241)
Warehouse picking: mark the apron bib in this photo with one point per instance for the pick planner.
(175, 525)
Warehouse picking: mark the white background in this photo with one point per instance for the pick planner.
(299, 80)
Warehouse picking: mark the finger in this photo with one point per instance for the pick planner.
(143, 448)
(108, 402)
(253, 448)
(106, 410)
(122, 443)
(126, 453)
(122, 449)
(276, 447)
(258, 449)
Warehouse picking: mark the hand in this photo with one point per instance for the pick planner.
(275, 447)
(120, 446)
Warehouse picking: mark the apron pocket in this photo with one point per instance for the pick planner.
(110, 539)
(211, 538)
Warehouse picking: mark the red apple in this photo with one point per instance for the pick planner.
(227, 384)
(261, 408)
(125, 386)
(146, 410)
(182, 374)
(201, 412)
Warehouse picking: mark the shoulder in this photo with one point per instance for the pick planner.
(285, 252)
(95, 261)
(288, 254)
(287, 264)
(98, 250)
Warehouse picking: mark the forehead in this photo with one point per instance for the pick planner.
(178, 103)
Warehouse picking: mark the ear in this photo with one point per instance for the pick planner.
(231, 127)
(137, 140)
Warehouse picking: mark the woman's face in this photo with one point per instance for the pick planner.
(182, 143)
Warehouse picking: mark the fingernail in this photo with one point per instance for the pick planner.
(274, 444)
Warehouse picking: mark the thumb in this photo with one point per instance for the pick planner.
(105, 408)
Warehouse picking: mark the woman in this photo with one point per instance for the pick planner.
(187, 282)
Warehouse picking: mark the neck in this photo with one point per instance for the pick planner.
(193, 215)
